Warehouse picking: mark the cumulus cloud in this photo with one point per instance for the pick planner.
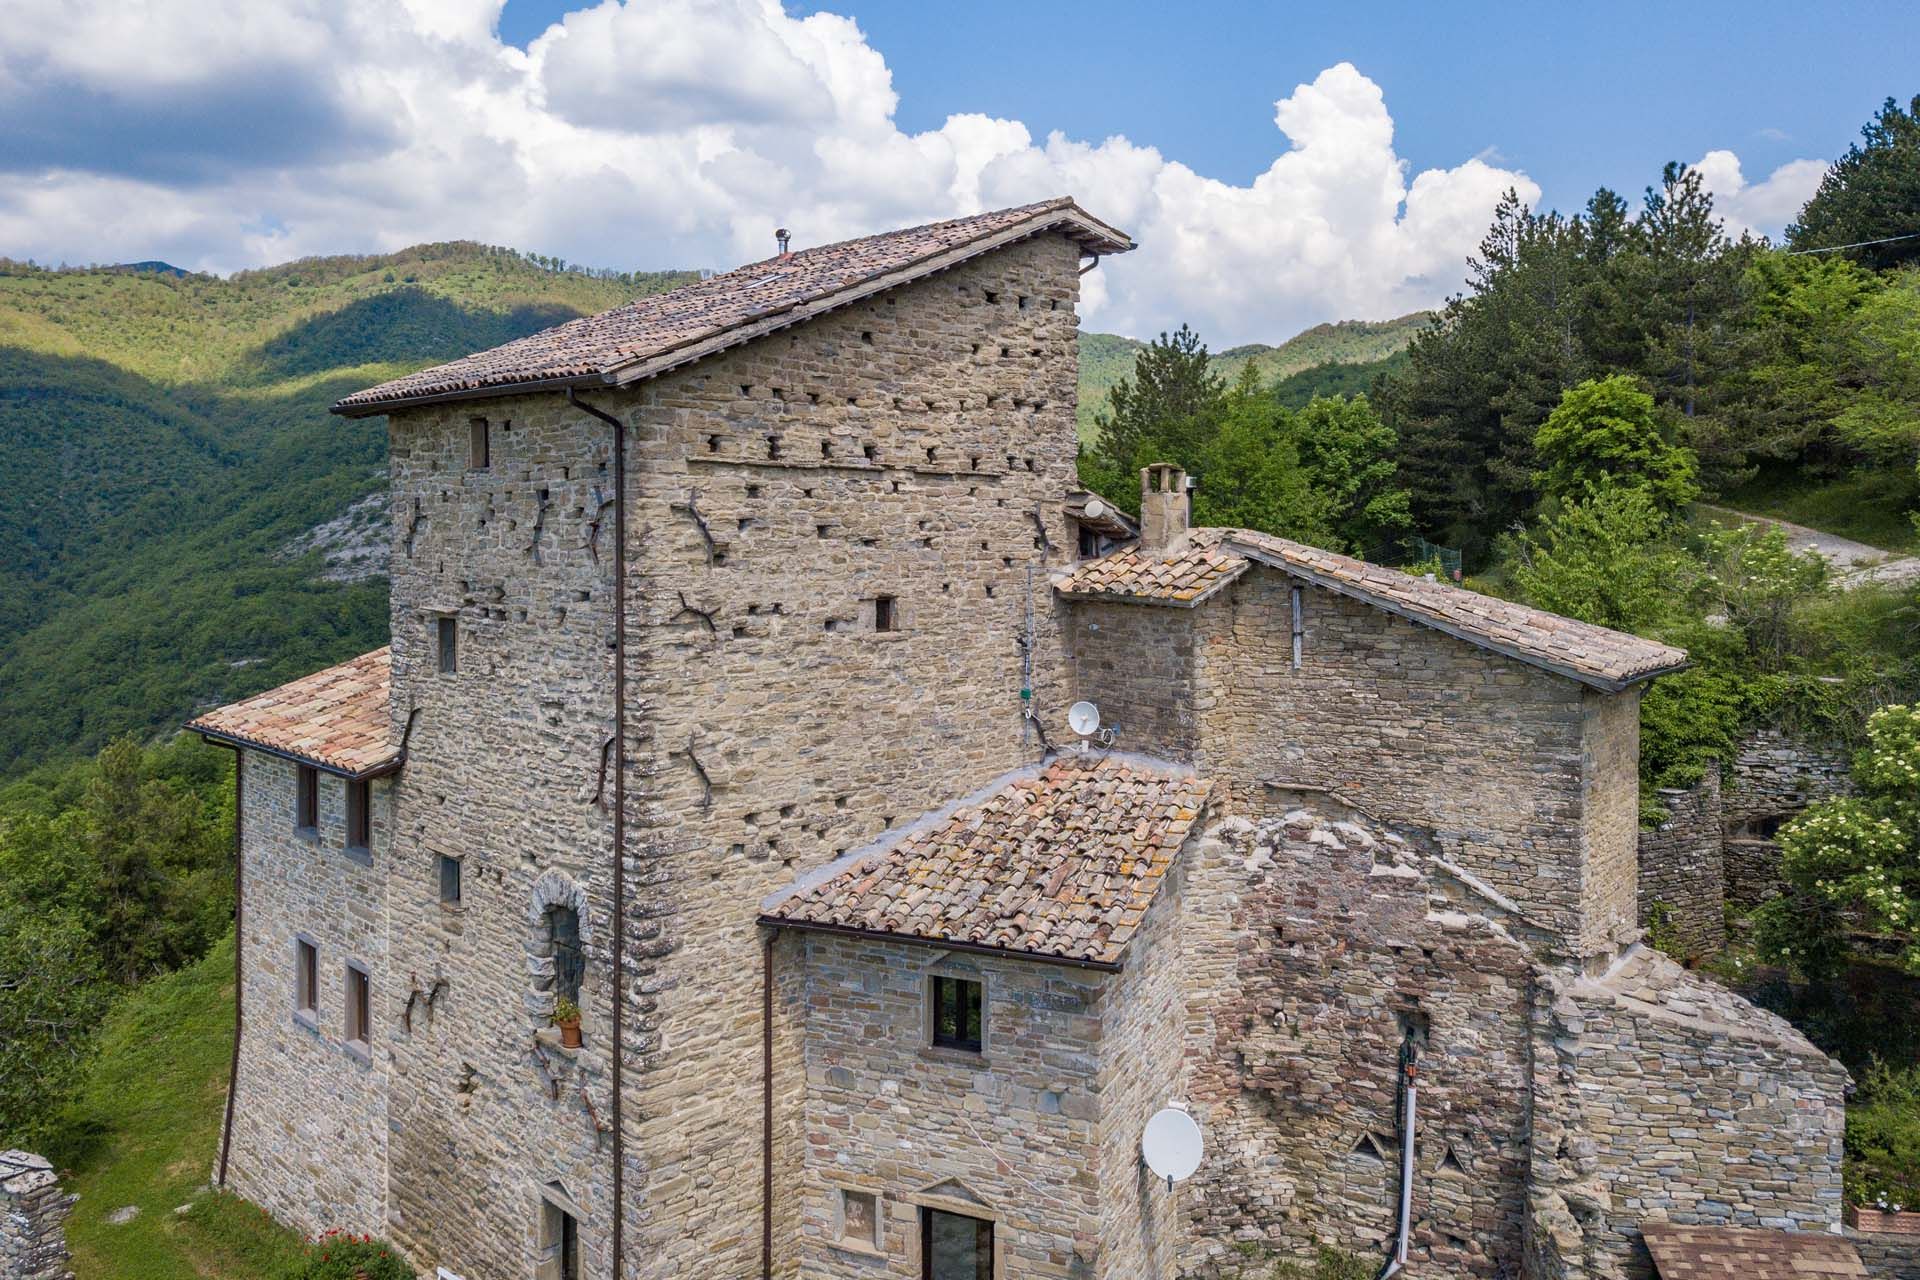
(219, 134)
(1764, 207)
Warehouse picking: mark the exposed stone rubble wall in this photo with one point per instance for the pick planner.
(1888, 1255)
(310, 1135)
(1663, 1096)
(1773, 778)
(33, 1216)
(1307, 947)
(1682, 867)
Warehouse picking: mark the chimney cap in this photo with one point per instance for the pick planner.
(784, 236)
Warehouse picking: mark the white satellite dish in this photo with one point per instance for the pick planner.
(1095, 508)
(1083, 718)
(1170, 1144)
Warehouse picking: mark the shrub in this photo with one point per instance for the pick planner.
(1883, 1139)
(340, 1256)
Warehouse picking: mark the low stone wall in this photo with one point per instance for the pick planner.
(33, 1217)
(1772, 779)
(1888, 1255)
(1683, 868)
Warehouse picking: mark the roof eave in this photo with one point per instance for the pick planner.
(943, 944)
(374, 408)
(379, 770)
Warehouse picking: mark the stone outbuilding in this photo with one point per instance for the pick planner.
(733, 635)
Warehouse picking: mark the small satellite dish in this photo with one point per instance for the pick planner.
(1095, 508)
(1083, 718)
(1170, 1144)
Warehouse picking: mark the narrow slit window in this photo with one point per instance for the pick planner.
(449, 881)
(1299, 627)
(306, 978)
(886, 615)
(958, 1014)
(306, 801)
(359, 1006)
(479, 443)
(447, 631)
(360, 816)
(569, 961)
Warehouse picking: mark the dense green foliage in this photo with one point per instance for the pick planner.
(164, 440)
(1871, 193)
(1883, 1139)
(1323, 474)
(111, 870)
(1328, 359)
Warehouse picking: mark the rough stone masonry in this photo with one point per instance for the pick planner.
(893, 945)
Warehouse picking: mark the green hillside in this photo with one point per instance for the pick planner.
(164, 437)
(1105, 358)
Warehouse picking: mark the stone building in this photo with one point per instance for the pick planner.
(733, 633)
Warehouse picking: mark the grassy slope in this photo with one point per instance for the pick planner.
(161, 437)
(1105, 358)
(145, 1131)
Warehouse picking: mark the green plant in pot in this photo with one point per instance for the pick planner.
(566, 1016)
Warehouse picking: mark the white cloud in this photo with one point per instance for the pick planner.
(1766, 207)
(227, 133)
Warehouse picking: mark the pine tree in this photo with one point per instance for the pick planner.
(1166, 411)
(1871, 193)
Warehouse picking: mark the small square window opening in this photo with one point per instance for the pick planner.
(886, 614)
(958, 1014)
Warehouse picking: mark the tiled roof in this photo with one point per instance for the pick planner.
(336, 719)
(652, 334)
(1060, 865)
(1595, 655)
(1748, 1253)
(1132, 574)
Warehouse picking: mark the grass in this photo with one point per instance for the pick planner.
(144, 1130)
(1873, 506)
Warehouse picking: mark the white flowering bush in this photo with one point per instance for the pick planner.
(1854, 861)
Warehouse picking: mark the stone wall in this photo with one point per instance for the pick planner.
(33, 1217)
(1308, 949)
(310, 1111)
(1011, 1133)
(1773, 777)
(1506, 765)
(1682, 867)
(1888, 1255)
(1661, 1095)
(1140, 664)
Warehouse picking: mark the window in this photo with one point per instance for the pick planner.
(958, 1018)
(1089, 544)
(954, 1246)
(359, 1006)
(449, 881)
(559, 1257)
(447, 631)
(569, 964)
(306, 979)
(1299, 626)
(480, 443)
(886, 614)
(306, 801)
(359, 816)
(860, 1219)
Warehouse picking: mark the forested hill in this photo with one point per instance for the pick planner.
(165, 445)
(1105, 358)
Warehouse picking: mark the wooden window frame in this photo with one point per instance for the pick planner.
(360, 817)
(963, 992)
(306, 980)
(358, 1014)
(886, 613)
(306, 801)
(981, 1223)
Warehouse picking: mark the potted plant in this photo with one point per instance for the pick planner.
(566, 1016)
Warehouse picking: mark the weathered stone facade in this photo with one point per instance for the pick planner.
(1683, 876)
(839, 618)
(33, 1216)
(1772, 778)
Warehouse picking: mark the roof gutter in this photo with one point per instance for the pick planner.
(942, 944)
(619, 819)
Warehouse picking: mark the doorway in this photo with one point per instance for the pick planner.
(954, 1246)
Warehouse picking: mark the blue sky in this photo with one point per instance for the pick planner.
(1279, 165)
(1576, 95)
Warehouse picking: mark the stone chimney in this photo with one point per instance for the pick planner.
(1164, 513)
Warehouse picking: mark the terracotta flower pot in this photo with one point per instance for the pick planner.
(1904, 1223)
(569, 1035)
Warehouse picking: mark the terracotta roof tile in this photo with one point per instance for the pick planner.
(337, 719)
(1749, 1253)
(683, 320)
(1062, 864)
(1214, 557)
